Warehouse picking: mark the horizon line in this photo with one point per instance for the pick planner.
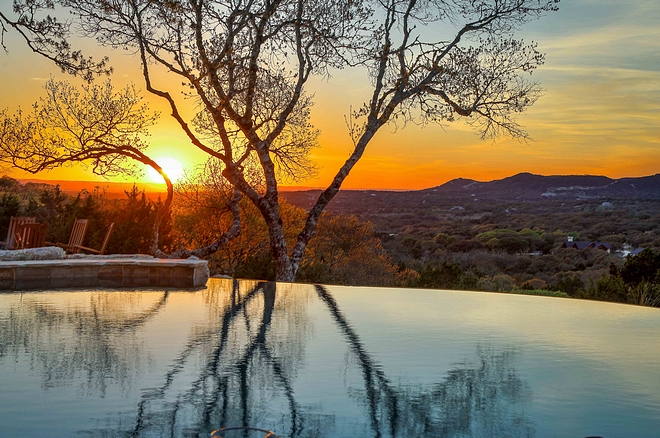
(287, 188)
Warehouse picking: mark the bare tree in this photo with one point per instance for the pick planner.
(97, 126)
(247, 63)
(93, 125)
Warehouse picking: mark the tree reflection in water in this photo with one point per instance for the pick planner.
(243, 370)
(238, 367)
(89, 341)
(483, 400)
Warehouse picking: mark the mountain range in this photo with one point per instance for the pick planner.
(532, 187)
(523, 187)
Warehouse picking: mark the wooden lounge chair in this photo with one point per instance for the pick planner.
(103, 246)
(77, 236)
(30, 235)
(11, 232)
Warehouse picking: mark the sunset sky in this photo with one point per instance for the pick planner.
(600, 113)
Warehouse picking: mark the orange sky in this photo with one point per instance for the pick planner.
(600, 113)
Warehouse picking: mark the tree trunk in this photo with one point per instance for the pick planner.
(284, 269)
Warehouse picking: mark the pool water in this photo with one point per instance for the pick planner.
(312, 361)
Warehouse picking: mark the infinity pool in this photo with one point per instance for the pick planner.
(310, 361)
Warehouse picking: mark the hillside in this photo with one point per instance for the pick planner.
(523, 187)
(507, 234)
(528, 186)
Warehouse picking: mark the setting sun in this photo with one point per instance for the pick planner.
(172, 167)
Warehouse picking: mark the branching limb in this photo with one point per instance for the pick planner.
(228, 235)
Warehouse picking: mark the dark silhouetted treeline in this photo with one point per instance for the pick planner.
(637, 282)
(133, 216)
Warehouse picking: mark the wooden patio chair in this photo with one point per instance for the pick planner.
(103, 246)
(11, 232)
(30, 235)
(76, 239)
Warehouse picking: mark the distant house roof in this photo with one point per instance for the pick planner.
(636, 251)
(577, 244)
(583, 244)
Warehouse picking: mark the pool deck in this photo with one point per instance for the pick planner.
(103, 271)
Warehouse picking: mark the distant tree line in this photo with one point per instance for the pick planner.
(133, 216)
(637, 282)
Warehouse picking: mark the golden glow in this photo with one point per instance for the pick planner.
(172, 168)
(599, 113)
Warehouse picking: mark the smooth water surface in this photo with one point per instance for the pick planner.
(311, 361)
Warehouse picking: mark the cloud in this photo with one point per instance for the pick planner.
(623, 34)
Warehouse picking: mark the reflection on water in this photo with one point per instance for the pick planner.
(304, 361)
(91, 338)
(485, 399)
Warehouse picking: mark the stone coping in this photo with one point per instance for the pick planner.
(112, 256)
(103, 262)
(44, 253)
(103, 272)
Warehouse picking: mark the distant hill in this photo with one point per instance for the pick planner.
(517, 188)
(533, 187)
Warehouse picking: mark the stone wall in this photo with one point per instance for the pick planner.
(106, 272)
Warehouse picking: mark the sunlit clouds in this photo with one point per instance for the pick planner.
(600, 112)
